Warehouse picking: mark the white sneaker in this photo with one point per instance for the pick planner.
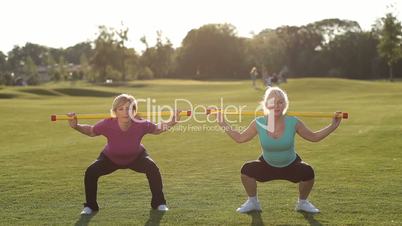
(306, 206)
(249, 206)
(87, 211)
(163, 208)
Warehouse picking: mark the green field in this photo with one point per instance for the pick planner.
(358, 167)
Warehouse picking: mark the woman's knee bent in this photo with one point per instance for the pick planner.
(92, 172)
(308, 173)
(247, 170)
(152, 169)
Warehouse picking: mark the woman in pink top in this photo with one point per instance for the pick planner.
(123, 150)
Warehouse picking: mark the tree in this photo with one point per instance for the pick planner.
(5, 76)
(159, 59)
(51, 68)
(85, 71)
(351, 54)
(62, 69)
(15, 60)
(36, 52)
(300, 46)
(18, 56)
(330, 28)
(390, 41)
(3, 61)
(73, 54)
(30, 71)
(105, 45)
(213, 50)
(110, 54)
(267, 50)
(131, 63)
(121, 48)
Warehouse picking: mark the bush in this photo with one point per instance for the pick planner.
(113, 74)
(6, 79)
(33, 80)
(145, 73)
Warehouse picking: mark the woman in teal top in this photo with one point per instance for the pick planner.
(279, 160)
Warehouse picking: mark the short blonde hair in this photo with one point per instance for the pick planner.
(277, 92)
(120, 100)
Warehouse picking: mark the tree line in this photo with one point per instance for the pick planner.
(330, 47)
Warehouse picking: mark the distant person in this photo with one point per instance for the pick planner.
(268, 81)
(266, 78)
(253, 75)
(123, 150)
(279, 160)
(283, 74)
(274, 79)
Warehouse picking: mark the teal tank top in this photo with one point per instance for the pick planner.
(278, 152)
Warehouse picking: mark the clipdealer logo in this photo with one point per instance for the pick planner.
(155, 112)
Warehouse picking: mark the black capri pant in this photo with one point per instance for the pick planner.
(261, 171)
(103, 166)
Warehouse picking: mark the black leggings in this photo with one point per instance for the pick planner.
(103, 166)
(261, 171)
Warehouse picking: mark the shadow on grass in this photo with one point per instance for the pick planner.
(138, 85)
(85, 92)
(43, 92)
(256, 219)
(84, 219)
(125, 85)
(155, 218)
(310, 219)
(7, 96)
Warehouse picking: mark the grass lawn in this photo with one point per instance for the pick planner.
(358, 168)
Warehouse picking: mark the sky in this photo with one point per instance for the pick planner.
(64, 23)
